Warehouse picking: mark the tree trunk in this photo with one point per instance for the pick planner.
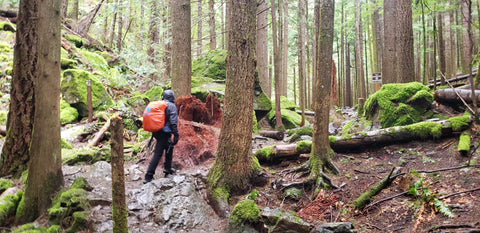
(181, 48)
(378, 32)
(234, 163)
(284, 9)
(404, 40)
(389, 67)
(199, 28)
(450, 96)
(449, 48)
(467, 47)
(119, 206)
(120, 26)
(15, 151)
(222, 19)
(45, 166)
(83, 25)
(321, 151)
(441, 49)
(114, 23)
(301, 56)
(75, 10)
(359, 50)
(153, 32)
(348, 77)
(262, 47)
(211, 24)
(64, 9)
(277, 69)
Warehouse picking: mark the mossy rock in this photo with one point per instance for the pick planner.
(65, 144)
(66, 63)
(245, 211)
(7, 26)
(64, 54)
(8, 71)
(74, 91)
(290, 119)
(8, 206)
(5, 184)
(285, 103)
(255, 123)
(211, 65)
(81, 183)
(68, 113)
(35, 228)
(293, 194)
(96, 60)
(155, 93)
(76, 40)
(65, 204)
(398, 104)
(86, 156)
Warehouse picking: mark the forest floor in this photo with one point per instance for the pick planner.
(362, 170)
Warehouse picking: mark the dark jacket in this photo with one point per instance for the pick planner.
(171, 115)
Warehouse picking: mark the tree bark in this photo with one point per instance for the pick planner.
(404, 40)
(234, 165)
(45, 166)
(20, 119)
(360, 72)
(277, 68)
(321, 151)
(120, 26)
(448, 96)
(301, 57)
(348, 77)
(441, 49)
(211, 24)
(119, 206)
(378, 33)
(284, 9)
(367, 196)
(199, 28)
(153, 32)
(83, 25)
(389, 61)
(262, 47)
(181, 48)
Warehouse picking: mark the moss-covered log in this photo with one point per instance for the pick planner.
(448, 96)
(419, 131)
(276, 153)
(367, 196)
(272, 134)
(464, 142)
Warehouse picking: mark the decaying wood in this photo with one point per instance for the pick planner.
(454, 96)
(281, 152)
(272, 134)
(308, 113)
(382, 137)
(96, 140)
(385, 199)
(83, 25)
(367, 196)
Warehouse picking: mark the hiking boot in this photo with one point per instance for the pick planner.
(147, 181)
(168, 172)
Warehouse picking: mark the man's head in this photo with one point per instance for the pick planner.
(169, 96)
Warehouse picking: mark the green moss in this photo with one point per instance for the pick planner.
(398, 104)
(81, 183)
(347, 128)
(211, 65)
(252, 195)
(96, 61)
(307, 130)
(425, 130)
(65, 144)
(66, 63)
(304, 146)
(255, 123)
(262, 102)
(8, 206)
(198, 81)
(6, 26)
(143, 135)
(290, 119)
(67, 113)
(86, 155)
(74, 91)
(459, 123)
(245, 211)
(200, 94)
(5, 184)
(31, 228)
(464, 142)
(293, 193)
(79, 221)
(332, 139)
(285, 103)
(63, 54)
(54, 229)
(3, 117)
(66, 203)
(155, 93)
(76, 40)
(264, 154)
(8, 70)
(5, 48)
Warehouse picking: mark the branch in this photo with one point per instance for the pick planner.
(385, 199)
(463, 101)
(457, 193)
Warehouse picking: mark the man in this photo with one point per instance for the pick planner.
(164, 139)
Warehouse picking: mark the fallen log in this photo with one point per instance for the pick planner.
(272, 134)
(464, 143)
(367, 196)
(276, 153)
(419, 131)
(96, 140)
(448, 96)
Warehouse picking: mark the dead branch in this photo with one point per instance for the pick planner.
(457, 193)
(385, 199)
(367, 196)
(272, 134)
(96, 140)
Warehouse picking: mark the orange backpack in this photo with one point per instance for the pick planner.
(154, 116)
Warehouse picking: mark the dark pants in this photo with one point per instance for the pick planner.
(161, 146)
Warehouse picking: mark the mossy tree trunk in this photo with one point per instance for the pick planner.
(277, 68)
(45, 166)
(234, 164)
(181, 47)
(119, 206)
(321, 152)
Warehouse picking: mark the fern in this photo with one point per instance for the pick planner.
(442, 208)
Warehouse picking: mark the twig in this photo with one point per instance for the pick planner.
(451, 227)
(385, 199)
(457, 193)
(441, 169)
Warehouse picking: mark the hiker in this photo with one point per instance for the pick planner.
(164, 139)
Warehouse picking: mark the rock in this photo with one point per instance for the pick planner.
(278, 221)
(335, 227)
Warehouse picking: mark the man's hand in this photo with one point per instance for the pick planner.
(175, 134)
